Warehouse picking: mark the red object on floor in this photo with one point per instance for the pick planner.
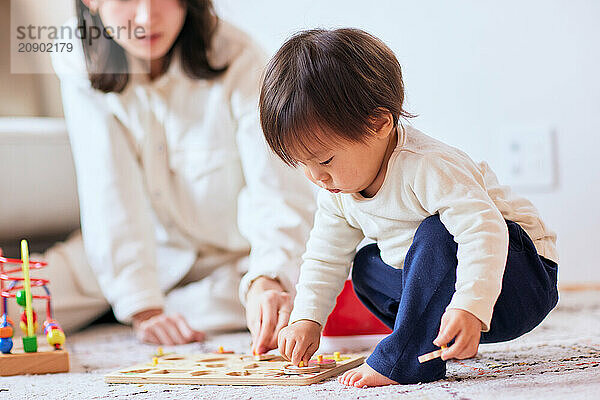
(350, 317)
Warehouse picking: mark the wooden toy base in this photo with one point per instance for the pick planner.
(45, 361)
(225, 369)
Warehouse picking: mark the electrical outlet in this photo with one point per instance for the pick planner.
(526, 159)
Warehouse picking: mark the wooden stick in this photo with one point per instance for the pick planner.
(432, 355)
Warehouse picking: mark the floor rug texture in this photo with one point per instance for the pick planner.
(559, 359)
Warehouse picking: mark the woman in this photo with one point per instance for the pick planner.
(178, 191)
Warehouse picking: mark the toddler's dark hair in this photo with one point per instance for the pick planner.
(328, 82)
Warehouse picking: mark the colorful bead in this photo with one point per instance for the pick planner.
(6, 332)
(6, 345)
(21, 298)
(29, 344)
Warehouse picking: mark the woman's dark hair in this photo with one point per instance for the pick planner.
(328, 82)
(106, 62)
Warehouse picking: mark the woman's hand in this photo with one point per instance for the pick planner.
(154, 326)
(464, 328)
(299, 341)
(268, 308)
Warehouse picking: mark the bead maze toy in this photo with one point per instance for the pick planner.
(227, 368)
(28, 359)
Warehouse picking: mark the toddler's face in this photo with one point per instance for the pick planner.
(345, 166)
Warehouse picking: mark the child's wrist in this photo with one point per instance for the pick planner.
(308, 322)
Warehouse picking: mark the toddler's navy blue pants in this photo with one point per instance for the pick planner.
(412, 300)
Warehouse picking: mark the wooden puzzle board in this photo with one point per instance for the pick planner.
(225, 369)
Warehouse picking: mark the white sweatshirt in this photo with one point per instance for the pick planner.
(176, 171)
(424, 177)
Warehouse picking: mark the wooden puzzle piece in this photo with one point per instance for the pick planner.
(322, 362)
(262, 357)
(338, 357)
(432, 355)
(300, 369)
(220, 350)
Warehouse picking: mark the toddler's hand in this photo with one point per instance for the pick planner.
(464, 328)
(299, 341)
(153, 326)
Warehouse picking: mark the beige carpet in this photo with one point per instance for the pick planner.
(559, 359)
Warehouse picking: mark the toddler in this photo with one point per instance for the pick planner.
(458, 259)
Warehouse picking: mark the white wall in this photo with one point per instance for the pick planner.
(474, 70)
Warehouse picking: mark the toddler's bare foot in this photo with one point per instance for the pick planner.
(364, 376)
